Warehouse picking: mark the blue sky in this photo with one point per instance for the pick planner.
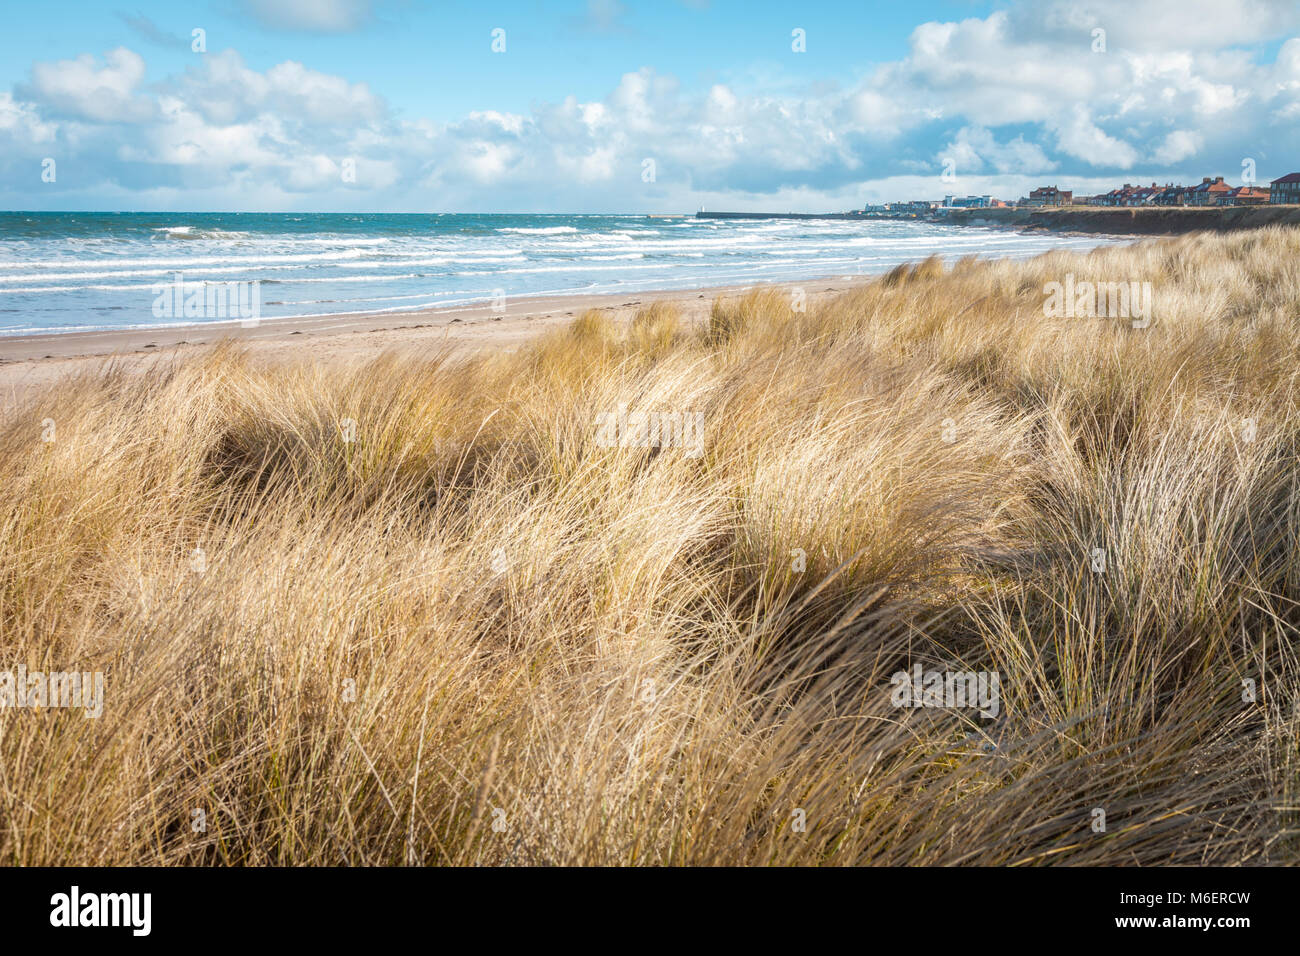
(432, 59)
(402, 105)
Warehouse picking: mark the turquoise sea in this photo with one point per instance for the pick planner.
(71, 271)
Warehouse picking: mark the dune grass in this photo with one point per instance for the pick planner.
(412, 612)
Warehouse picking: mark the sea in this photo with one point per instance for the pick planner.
(78, 271)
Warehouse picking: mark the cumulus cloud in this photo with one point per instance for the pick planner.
(21, 126)
(82, 89)
(1078, 136)
(977, 150)
(1177, 146)
(224, 90)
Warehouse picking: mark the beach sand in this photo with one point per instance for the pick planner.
(30, 362)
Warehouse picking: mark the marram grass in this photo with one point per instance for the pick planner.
(411, 612)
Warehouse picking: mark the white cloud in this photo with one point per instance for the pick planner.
(1177, 146)
(22, 125)
(82, 89)
(1078, 136)
(977, 150)
(225, 90)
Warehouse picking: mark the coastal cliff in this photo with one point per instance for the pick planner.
(1153, 221)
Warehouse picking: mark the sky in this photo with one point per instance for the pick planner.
(596, 106)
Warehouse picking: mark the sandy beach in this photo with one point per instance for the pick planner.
(29, 362)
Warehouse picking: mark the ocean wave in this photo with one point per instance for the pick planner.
(136, 286)
(198, 232)
(161, 273)
(547, 231)
(336, 239)
(110, 261)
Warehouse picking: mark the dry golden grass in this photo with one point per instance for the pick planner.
(475, 636)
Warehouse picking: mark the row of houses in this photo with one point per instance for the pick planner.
(915, 207)
(972, 202)
(1208, 192)
(924, 206)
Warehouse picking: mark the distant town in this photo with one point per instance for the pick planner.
(1210, 191)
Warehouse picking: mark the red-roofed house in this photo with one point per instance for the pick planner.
(1144, 195)
(1115, 197)
(1130, 195)
(1049, 196)
(1247, 196)
(1210, 192)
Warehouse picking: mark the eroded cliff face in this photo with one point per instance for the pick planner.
(1138, 221)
